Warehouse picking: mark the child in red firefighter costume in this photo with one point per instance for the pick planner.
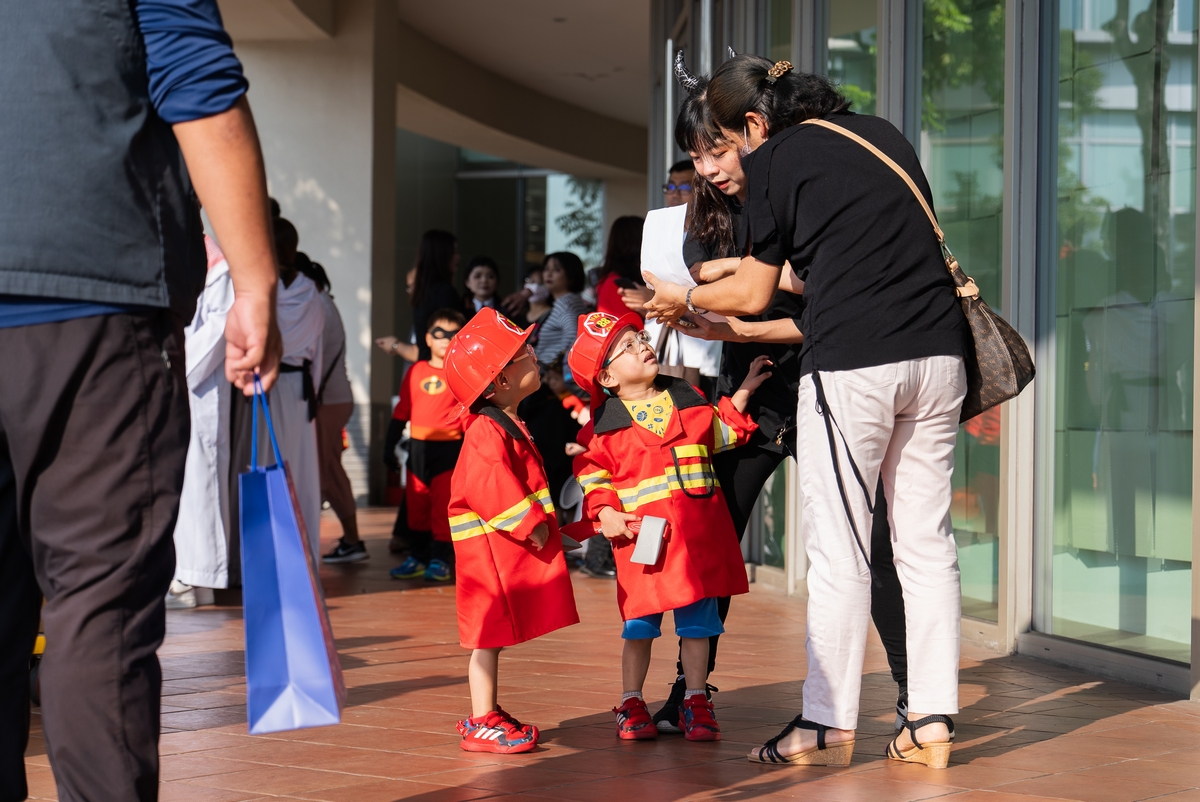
(649, 450)
(436, 435)
(513, 583)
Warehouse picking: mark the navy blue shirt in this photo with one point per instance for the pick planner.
(193, 74)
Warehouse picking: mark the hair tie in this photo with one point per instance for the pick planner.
(780, 69)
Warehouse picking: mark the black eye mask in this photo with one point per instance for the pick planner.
(438, 333)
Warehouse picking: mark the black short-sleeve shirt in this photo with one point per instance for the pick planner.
(773, 405)
(875, 284)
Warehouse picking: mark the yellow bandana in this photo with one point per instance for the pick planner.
(653, 414)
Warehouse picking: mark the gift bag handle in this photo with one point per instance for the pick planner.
(260, 397)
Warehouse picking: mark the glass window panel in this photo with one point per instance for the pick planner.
(772, 502)
(779, 30)
(962, 127)
(1119, 557)
(853, 51)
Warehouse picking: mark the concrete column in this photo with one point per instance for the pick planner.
(325, 111)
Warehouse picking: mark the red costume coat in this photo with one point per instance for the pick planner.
(631, 469)
(508, 592)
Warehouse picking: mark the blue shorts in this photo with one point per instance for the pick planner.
(696, 620)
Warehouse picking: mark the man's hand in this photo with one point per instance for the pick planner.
(614, 524)
(252, 341)
(516, 303)
(539, 536)
(387, 343)
(226, 166)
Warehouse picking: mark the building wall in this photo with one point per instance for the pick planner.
(315, 104)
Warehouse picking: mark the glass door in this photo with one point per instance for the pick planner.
(962, 150)
(853, 54)
(1120, 310)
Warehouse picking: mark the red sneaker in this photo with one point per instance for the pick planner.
(634, 722)
(469, 724)
(496, 732)
(697, 721)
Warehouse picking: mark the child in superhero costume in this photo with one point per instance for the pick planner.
(649, 450)
(513, 583)
(436, 434)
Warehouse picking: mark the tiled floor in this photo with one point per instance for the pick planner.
(1027, 731)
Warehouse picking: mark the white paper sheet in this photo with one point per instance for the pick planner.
(662, 249)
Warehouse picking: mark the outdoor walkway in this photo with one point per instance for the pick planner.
(1027, 730)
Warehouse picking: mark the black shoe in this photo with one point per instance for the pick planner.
(599, 562)
(901, 710)
(597, 572)
(347, 553)
(667, 718)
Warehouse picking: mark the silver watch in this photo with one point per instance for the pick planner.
(688, 301)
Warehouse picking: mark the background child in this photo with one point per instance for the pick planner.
(436, 433)
(649, 453)
(482, 277)
(513, 583)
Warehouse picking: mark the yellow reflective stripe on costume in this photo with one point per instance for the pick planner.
(660, 487)
(466, 526)
(724, 437)
(543, 497)
(600, 480)
(683, 452)
(470, 525)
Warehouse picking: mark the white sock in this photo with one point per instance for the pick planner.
(630, 695)
(689, 694)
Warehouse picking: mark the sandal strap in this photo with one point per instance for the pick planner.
(820, 729)
(936, 718)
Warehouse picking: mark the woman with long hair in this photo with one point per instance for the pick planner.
(432, 289)
(883, 381)
(622, 264)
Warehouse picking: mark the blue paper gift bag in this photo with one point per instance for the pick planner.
(293, 677)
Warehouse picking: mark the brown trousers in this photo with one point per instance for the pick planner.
(335, 484)
(93, 436)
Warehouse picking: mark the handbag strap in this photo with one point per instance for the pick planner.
(969, 289)
(260, 397)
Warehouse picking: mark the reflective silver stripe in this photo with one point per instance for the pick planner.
(466, 525)
(511, 522)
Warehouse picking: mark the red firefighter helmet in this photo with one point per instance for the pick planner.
(596, 333)
(479, 351)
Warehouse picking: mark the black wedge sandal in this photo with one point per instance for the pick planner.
(933, 755)
(838, 754)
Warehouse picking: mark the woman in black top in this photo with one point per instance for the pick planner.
(715, 226)
(882, 385)
(437, 262)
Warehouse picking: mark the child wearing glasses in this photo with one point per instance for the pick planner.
(513, 584)
(435, 440)
(649, 453)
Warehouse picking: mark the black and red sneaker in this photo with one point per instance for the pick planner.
(697, 720)
(497, 732)
(634, 722)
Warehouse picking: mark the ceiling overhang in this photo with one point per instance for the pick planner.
(444, 96)
(278, 20)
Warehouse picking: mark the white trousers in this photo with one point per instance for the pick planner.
(901, 420)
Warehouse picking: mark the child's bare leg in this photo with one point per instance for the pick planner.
(482, 676)
(694, 653)
(635, 662)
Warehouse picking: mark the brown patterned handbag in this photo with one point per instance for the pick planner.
(999, 366)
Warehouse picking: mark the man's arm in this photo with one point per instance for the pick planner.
(226, 165)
